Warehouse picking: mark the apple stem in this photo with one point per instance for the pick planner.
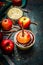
(34, 23)
(22, 30)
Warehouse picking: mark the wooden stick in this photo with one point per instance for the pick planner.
(22, 30)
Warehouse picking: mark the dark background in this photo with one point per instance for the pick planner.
(33, 56)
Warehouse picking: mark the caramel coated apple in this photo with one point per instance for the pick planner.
(23, 39)
(25, 42)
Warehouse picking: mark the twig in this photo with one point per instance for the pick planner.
(27, 11)
(8, 60)
(34, 23)
(11, 31)
(5, 34)
(9, 35)
(17, 27)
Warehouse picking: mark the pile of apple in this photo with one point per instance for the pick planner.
(6, 45)
(7, 23)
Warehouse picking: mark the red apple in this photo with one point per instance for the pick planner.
(26, 22)
(1, 3)
(6, 24)
(7, 45)
(1, 36)
(17, 2)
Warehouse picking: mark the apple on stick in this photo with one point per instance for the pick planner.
(23, 36)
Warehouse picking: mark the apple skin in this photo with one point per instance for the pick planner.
(17, 2)
(7, 46)
(26, 22)
(6, 24)
(1, 36)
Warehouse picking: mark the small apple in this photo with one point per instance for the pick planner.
(1, 36)
(7, 45)
(17, 2)
(26, 22)
(6, 24)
